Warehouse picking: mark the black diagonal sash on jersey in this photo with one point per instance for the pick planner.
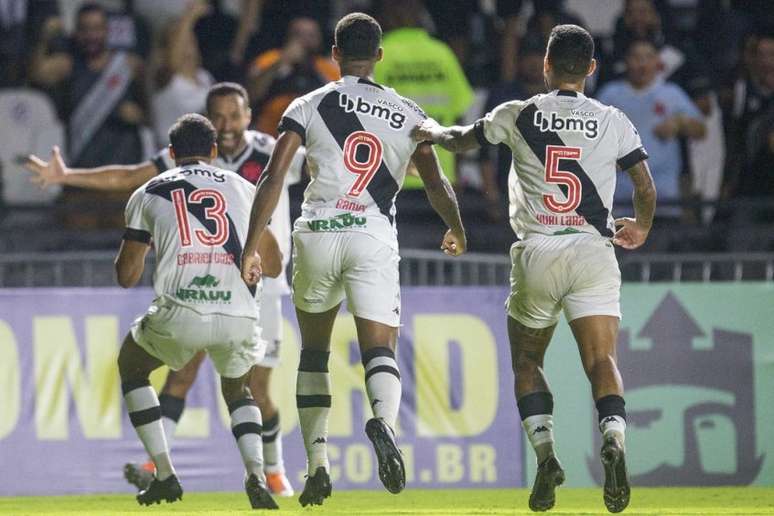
(341, 124)
(233, 245)
(591, 206)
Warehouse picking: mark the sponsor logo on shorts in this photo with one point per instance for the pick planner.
(202, 289)
(339, 222)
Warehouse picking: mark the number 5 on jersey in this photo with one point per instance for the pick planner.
(365, 170)
(554, 154)
(215, 213)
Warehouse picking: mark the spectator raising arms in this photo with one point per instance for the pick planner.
(662, 112)
(183, 83)
(103, 96)
(280, 75)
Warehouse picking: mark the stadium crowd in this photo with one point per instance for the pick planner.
(105, 80)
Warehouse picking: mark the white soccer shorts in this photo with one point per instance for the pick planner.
(174, 334)
(578, 273)
(271, 328)
(329, 267)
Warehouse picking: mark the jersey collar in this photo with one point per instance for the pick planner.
(568, 93)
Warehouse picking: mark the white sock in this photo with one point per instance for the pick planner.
(615, 425)
(382, 380)
(246, 427)
(145, 414)
(540, 433)
(313, 399)
(272, 446)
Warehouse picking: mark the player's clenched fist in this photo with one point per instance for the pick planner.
(630, 234)
(251, 269)
(454, 243)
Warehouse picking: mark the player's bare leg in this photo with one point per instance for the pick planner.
(246, 427)
(135, 366)
(273, 465)
(597, 337)
(313, 399)
(536, 406)
(378, 342)
(172, 401)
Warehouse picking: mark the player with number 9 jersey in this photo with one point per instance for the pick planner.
(358, 146)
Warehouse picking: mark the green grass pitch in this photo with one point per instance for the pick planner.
(704, 501)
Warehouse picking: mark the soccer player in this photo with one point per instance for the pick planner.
(194, 210)
(565, 148)
(246, 153)
(358, 145)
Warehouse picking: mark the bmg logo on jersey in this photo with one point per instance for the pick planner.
(362, 107)
(589, 127)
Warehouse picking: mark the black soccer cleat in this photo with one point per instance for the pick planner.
(616, 492)
(391, 470)
(317, 488)
(258, 494)
(549, 476)
(138, 476)
(168, 489)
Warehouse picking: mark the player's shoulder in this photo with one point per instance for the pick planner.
(514, 107)
(315, 96)
(261, 141)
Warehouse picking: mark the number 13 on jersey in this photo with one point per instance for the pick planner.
(554, 154)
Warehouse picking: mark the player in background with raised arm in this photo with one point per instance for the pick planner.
(566, 148)
(201, 305)
(246, 153)
(358, 144)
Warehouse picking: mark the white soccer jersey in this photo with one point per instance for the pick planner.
(358, 145)
(197, 218)
(565, 148)
(250, 164)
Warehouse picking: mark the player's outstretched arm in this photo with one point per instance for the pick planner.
(455, 139)
(130, 262)
(265, 201)
(109, 177)
(442, 198)
(633, 232)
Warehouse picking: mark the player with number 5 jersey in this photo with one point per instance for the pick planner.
(358, 147)
(566, 151)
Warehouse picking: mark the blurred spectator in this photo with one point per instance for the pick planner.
(470, 27)
(181, 81)
(216, 33)
(548, 14)
(280, 75)
(104, 98)
(127, 31)
(20, 24)
(273, 30)
(104, 103)
(753, 93)
(423, 69)
(758, 178)
(662, 112)
(496, 161)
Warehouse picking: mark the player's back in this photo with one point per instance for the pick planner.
(197, 216)
(566, 150)
(358, 145)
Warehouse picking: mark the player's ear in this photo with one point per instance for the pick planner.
(213, 152)
(592, 67)
(171, 152)
(336, 53)
(546, 65)
(379, 54)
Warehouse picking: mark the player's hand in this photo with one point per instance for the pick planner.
(251, 269)
(426, 131)
(631, 234)
(454, 243)
(46, 173)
